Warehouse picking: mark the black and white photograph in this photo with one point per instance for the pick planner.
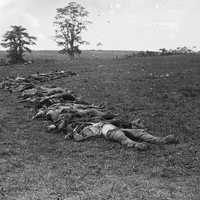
(99, 100)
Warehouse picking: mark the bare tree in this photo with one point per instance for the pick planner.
(70, 22)
(17, 41)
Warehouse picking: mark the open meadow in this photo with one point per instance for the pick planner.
(164, 91)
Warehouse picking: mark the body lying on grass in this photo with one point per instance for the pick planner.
(77, 119)
(80, 122)
(21, 83)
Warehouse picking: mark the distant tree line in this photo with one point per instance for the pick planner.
(163, 52)
(177, 51)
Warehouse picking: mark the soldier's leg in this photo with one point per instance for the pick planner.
(113, 133)
(146, 137)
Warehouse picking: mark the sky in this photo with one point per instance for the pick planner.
(116, 24)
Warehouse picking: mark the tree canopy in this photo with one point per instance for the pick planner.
(70, 22)
(17, 40)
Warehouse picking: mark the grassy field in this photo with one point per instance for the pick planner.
(162, 91)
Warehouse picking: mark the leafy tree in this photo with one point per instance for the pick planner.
(70, 22)
(17, 41)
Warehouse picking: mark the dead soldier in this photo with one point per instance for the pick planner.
(80, 122)
(78, 119)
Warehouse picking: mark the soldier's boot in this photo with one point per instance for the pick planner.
(169, 139)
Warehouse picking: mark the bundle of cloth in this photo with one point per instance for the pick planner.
(79, 120)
